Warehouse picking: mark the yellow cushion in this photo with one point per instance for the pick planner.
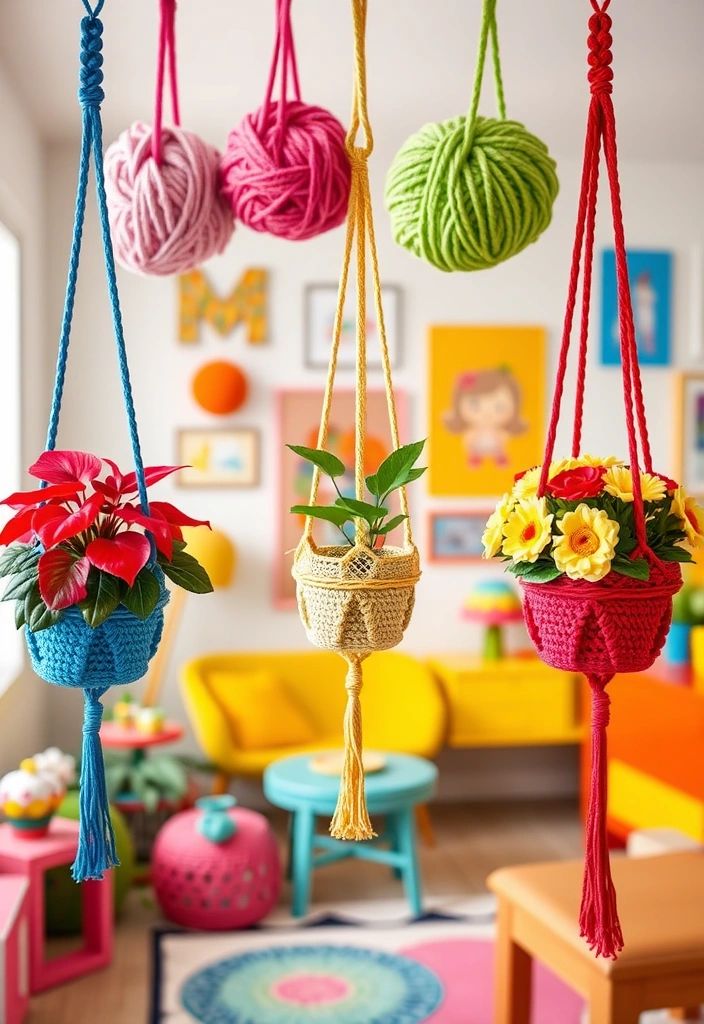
(260, 710)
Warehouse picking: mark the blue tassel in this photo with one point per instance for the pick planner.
(96, 839)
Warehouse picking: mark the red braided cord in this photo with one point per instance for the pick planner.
(601, 125)
(167, 50)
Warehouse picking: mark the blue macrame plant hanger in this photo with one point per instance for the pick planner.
(71, 653)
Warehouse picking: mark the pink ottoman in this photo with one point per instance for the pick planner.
(14, 949)
(216, 866)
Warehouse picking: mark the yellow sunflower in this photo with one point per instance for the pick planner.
(692, 516)
(594, 460)
(527, 486)
(587, 545)
(618, 481)
(528, 530)
(493, 531)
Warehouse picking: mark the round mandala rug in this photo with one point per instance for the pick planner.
(301, 984)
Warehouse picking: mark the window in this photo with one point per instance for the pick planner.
(10, 440)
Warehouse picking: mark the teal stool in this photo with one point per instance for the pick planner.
(392, 792)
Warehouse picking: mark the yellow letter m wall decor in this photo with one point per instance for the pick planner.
(246, 303)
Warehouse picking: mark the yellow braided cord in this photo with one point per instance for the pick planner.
(351, 818)
(360, 442)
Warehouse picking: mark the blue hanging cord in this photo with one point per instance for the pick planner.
(91, 95)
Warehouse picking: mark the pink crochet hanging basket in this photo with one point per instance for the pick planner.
(616, 625)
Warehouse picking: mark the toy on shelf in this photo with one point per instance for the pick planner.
(357, 597)
(216, 866)
(597, 543)
(493, 603)
(216, 553)
(30, 796)
(285, 169)
(166, 212)
(473, 191)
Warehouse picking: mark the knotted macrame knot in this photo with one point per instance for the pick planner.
(93, 713)
(601, 702)
(600, 57)
(90, 93)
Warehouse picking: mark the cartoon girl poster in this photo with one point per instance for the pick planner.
(486, 407)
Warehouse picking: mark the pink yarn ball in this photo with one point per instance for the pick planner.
(292, 181)
(165, 218)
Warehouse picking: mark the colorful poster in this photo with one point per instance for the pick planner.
(299, 419)
(487, 396)
(650, 277)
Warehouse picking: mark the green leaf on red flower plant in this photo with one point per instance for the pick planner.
(637, 569)
(54, 524)
(59, 467)
(35, 612)
(158, 527)
(20, 584)
(102, 598)
(186, 572)
(124, 556)
(62, 578)
(142, 596)
(19, 499)
(17, 557)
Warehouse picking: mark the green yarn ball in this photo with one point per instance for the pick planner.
(470, 212)
(62, 895)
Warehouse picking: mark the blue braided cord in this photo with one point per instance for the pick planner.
(91, 95)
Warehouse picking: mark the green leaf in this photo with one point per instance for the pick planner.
(20, 584)
(116, 777)
(167, 774)
(326, 461)
(35, 613)
(186, 572)
(331, 513)
(362, 509)
(17, 557)
(372, 485)
(675, 555)
(391, 525)
(141, 598)
(637, 569)
(102, 598)
(394, 470)
(522, 568)
(414, 474)
(20, 620)
(541, 573)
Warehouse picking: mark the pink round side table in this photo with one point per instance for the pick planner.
(216, 867)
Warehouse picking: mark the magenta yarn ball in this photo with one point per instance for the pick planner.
(165, 218)
(292, 181)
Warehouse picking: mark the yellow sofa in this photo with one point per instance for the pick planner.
(403, 706)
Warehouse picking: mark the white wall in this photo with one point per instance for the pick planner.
(22, 209)
(664, 207)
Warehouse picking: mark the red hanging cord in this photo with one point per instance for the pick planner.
(166, 52)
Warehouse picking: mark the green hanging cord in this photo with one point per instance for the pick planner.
(488, 29)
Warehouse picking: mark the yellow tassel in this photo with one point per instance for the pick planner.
(351, 819)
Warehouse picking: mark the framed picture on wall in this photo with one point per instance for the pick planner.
(320, 307)
(689, 432)
(298, 421)
(218, 457)
(650, 277)
(456, 536)
(487, 398)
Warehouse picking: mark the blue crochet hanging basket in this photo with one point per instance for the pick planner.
(118, 651)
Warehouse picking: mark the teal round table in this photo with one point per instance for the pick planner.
(393, 793)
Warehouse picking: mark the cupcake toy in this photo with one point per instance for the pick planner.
(28, 800)
(58, 766)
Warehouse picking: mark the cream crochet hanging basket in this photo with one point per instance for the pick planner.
(354, 600)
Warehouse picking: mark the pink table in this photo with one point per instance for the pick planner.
(31, 858)
(112, 734)
(14, 949)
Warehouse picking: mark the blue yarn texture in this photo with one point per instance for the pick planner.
(70, 653)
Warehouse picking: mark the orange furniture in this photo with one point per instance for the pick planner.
(661, 905)
(655, 753)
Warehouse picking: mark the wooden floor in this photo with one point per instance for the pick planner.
(472, 840)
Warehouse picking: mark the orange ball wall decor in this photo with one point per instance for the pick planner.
(220, 387)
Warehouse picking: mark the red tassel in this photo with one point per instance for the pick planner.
(598, 918)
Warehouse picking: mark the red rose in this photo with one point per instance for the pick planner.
(671, 484)
(574, 484)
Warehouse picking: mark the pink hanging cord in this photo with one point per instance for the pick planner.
(167, 50)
